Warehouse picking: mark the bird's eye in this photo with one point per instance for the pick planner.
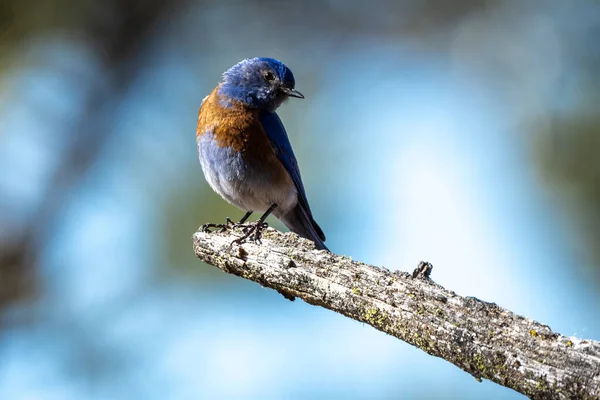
(269, 76)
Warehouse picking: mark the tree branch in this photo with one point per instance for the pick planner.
(480, 338)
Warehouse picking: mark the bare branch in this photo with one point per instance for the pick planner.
(481, 338)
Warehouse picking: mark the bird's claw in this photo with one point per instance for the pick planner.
(229, 224)
(252, 232)
(206, 228)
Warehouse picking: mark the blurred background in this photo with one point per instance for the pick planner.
(464, 133)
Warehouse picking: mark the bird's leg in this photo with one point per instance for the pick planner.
(241, 224)
(230, 224)
(261, 224)
(245, 217)
(227, 225)
(256, 228)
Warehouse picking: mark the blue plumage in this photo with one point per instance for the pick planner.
(283, 148)
(248, 82)
(244, 149)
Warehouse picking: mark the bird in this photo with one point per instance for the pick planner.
(245, 152)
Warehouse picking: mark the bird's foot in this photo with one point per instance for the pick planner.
(251, 231)
(206, 228)
(247, 229)
(229, 224)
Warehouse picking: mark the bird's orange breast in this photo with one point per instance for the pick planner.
(231, 126)
(239, 128)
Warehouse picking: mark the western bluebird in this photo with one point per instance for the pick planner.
(244, 150)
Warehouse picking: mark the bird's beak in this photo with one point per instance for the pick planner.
(292, 93)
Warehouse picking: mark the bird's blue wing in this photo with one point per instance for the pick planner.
(281, 144)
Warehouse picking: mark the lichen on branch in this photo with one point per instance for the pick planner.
(481, 338)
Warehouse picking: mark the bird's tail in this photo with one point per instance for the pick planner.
(300, 222)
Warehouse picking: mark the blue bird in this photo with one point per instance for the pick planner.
(245, 152)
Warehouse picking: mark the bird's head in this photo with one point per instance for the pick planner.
(262, 83)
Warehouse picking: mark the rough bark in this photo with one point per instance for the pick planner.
(479, 337)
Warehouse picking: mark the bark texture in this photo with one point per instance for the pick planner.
(481, 338)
